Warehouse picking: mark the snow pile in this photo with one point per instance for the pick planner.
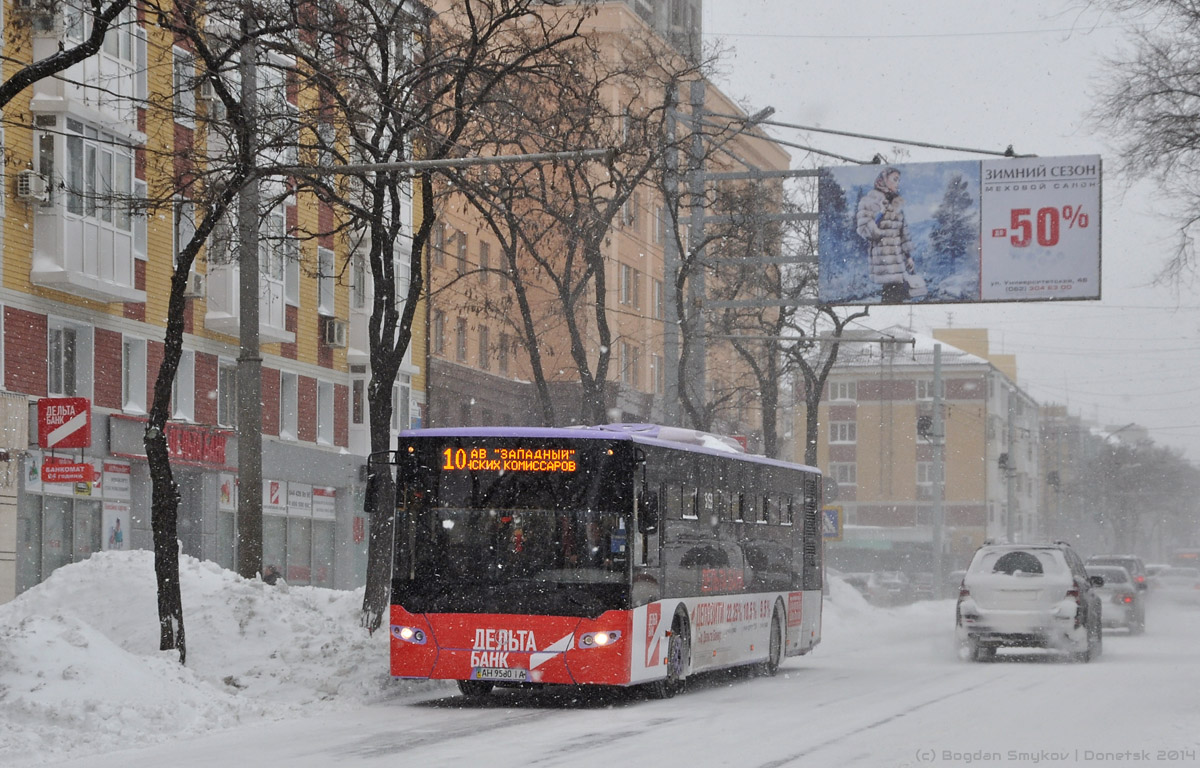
(81, 673)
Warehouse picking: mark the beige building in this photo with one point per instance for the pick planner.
(479, 357)
(877, 444)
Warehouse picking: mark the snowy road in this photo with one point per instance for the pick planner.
(886, 688)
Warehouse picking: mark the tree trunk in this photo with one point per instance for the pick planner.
(164, 509)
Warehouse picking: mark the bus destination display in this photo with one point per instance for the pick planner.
(558, 460)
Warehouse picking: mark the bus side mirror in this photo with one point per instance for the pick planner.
(648, 512)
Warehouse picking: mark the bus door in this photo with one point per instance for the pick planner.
(646, 543)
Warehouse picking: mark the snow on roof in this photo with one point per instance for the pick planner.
(908, 348)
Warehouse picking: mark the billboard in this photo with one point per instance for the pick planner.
(1012, 229)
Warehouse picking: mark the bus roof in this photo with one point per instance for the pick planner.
(679, 438)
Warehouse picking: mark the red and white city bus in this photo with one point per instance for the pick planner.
(614, 555)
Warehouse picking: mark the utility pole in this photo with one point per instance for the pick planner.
(671, 258)
(249, 539)
(939, 475)
(1010, 469)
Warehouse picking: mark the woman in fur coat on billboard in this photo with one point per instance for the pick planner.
(880, 221)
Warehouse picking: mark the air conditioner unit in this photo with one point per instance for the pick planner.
(208, 95)
(335, 333)
(41, 14)
(31, 187)
(195, 286)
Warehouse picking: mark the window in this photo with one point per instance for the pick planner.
(658, 304)
(185, 227)
(133, 375)
(843, 390)
(291, 270)
(227, 393)
(924, 389)
(484, 353)
(629, 209)
(461, 253)
(289, 405)
(358, 400)
(630, 286)
(844, 473)
(62, 361)
(437, 245)
(278, 122)
(325, 296)
(183, 389)
(460, 340)
(99, 177)
(68, 359)
(184, 82)
(485, 262)
(658, 374)
(402, 404)
(662, 220)
(502, 353)
(358, 281)
(927, 480)
(843, 432)
(438, 332)
(325, 412)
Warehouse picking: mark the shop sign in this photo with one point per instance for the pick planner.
(324, 503)
(64, 422)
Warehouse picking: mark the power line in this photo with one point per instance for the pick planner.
(914, 36)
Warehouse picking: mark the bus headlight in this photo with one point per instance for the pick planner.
(598, 639)
(414, 635)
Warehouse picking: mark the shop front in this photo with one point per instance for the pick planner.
(310, 522)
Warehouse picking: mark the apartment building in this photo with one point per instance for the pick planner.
(84, 282)
(479, 364)
(877, 447)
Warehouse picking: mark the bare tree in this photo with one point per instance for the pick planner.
(1151, 106)
(555, 221)
(208, 171)
(398, 83)
(94, 16)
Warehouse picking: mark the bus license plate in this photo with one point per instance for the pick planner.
(500, 674)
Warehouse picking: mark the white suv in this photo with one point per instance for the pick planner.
(1028, 595)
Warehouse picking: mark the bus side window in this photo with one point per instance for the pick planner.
(691, 502)
(739, 508)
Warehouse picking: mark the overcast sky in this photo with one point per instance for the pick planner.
(983, 76)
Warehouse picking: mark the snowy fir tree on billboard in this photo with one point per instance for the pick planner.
(1018, 229)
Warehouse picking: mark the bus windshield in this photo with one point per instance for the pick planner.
(518, 543)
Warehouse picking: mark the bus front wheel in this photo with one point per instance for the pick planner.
(679, 654)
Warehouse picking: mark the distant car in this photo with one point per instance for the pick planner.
(1152, 569)
(1131, 563)
(1124, 605)
(1028, 596)
(857, 580)
(1180, 585)
(923, 586)
(890, 588)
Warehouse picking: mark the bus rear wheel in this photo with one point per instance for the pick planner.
(475, 688)
(775, 646)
